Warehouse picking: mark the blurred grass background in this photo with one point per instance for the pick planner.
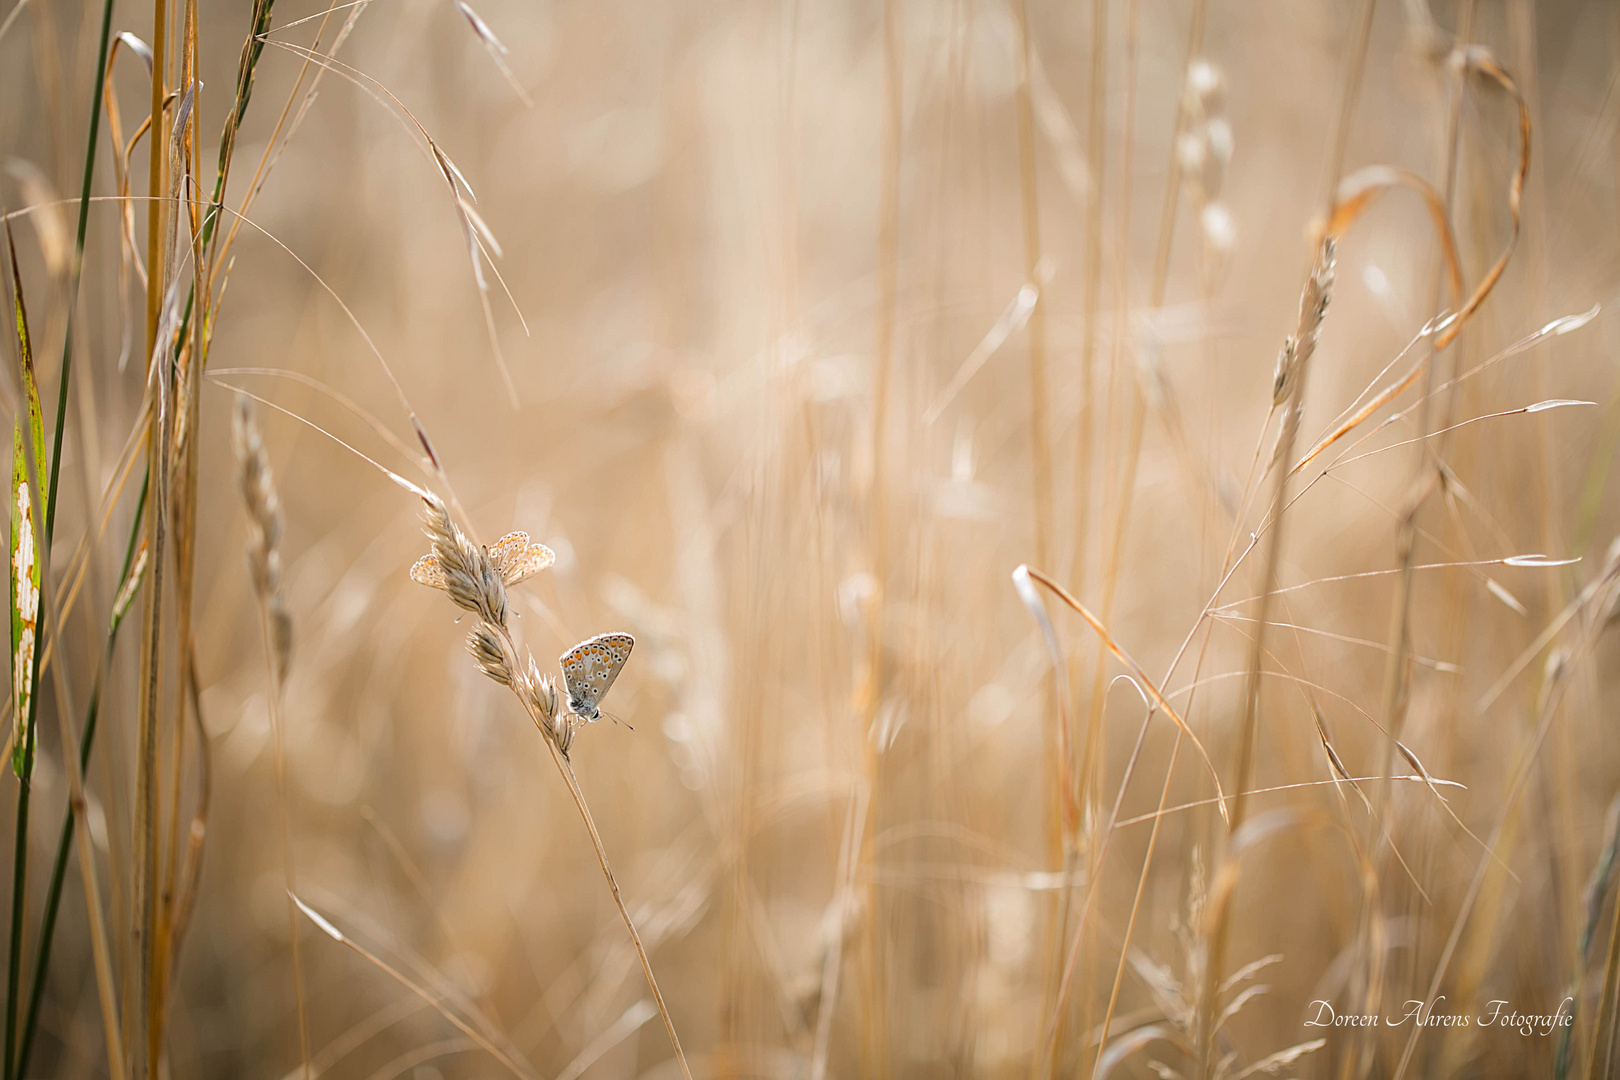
(749, 246)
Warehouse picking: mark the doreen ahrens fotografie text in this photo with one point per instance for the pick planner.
(1497, 1013)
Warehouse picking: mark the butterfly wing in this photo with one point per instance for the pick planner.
(582, 696)
(590, 667)
(427, 571)
(518, 560)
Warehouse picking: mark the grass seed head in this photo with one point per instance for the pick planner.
(490, 649)
(265, 521)
(469, 575)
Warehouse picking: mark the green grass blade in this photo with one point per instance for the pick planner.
(24, 603)
(129, 580)
(24, 544)
(25, 746)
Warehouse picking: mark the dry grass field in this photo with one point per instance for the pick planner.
(1112, 501)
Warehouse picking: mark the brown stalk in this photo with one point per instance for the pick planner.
(154, 181)
(191, 867)
(183, 510)
(1293, 372)
(146, 1025)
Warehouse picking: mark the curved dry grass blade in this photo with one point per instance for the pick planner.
(1123, 1047)
(353, 321)
(395, 477)
(1200, 803)
(1361, 188)
(343, 400)
(1142, 677)
(452, 176)
(1011, 321)
(438, 1004)
(1397, 746)
(1534, 560)
(1271, 1064)
(282, 137)
(1436, 665)
(1523, 410)
(1060, 672)
(1476, 59)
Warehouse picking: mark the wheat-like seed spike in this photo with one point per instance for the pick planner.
(460, 567)
(258, 485)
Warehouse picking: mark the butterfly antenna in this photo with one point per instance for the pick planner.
(615, 719)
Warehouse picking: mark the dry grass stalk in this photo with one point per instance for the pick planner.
(1288, 386)
(1119, 488)
(476, 584)
(258, 487)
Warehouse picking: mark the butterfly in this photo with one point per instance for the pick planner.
(514, 557)
(590, 667)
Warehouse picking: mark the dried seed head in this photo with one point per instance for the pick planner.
(1313, 304)
(459, 567)
(540, 693)
(1287, 430)
(1282, 379)
(1314, 299)
(258, 485)
(281, 634)
(563, 732)
(490, 649)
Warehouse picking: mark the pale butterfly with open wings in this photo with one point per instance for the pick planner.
(590, 667)
(514, 557)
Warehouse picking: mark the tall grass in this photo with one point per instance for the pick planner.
(1111, 500)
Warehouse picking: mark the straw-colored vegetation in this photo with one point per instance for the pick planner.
(1112, 501)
